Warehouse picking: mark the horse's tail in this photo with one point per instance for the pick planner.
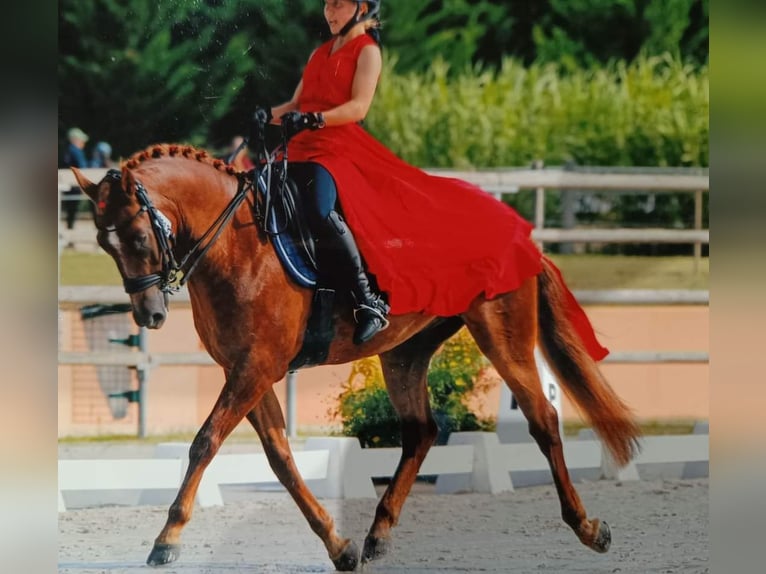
(577, 371)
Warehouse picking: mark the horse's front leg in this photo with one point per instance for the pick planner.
(268, 421)
(244, 387)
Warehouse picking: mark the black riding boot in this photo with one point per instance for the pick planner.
(370, 310)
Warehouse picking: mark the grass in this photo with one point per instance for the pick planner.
(648, 428)
(571, 428)
(580, 271)
(88, 269)
(633, 272)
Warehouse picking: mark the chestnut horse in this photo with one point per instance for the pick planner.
(251, 319)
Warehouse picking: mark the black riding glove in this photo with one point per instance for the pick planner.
(261, 118)
(294, 123)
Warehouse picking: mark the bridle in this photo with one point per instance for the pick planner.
(173, 274)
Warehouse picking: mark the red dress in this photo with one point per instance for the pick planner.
(433, 243)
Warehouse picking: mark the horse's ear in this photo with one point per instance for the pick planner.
(88, 187)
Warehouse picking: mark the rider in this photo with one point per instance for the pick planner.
(434, 245)
(336, 244)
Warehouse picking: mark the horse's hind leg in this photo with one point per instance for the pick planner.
(404, 370)
(268, 421)
(506, 331)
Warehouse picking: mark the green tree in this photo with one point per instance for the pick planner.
(419, 32)
(136, 72)
(570, 32)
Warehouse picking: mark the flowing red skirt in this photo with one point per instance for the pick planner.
(433, 243)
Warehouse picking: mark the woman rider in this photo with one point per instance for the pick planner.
(433, 244)
(347, 20)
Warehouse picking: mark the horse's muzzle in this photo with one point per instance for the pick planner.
(149, 311)
(149, 320)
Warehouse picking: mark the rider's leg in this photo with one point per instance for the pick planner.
(338, 250)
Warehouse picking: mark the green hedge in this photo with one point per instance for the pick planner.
(652, 112)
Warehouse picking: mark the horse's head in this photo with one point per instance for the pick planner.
(133, 232)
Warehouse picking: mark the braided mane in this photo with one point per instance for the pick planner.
(177, 150)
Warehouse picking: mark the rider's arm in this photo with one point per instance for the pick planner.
(368, 69)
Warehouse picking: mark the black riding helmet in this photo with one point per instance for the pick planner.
(373, 9)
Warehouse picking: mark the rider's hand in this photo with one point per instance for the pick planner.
(261, 117)
(295, 122)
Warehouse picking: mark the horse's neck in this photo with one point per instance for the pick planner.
(199, 198)
(195, 198)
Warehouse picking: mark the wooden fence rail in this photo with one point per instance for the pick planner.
(510, 180)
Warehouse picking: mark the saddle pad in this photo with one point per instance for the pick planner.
(291, 256)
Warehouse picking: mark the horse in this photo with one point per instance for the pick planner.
(251, 318)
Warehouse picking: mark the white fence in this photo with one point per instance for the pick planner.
(511, 180)
(337, 467)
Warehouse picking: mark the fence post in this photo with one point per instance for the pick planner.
(697, 226)
(539, 203)
(142, 372)
(290, 405)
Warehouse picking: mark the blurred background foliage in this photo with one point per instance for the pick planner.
(135, 72)
(466, 84)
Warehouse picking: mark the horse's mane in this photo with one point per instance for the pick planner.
(177, 150)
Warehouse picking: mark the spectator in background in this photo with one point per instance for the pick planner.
(238, 155)
(102, 155)
(74, 156)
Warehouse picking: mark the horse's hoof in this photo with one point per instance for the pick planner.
(163, 554)
(348, 558)
(374, 548)
(603, 539)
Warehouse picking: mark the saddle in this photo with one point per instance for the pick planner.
(286, 224)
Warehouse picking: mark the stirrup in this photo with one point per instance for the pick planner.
(376, 311)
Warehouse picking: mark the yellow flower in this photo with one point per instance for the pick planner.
(376, 439)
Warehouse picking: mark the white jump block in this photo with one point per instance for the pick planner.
(529, 457)
(488, 473)
(159, 497)
(352, 468)
(495, 464)
(254, 469)
(235, 469)
(678, 450)
(127, 474)
(346, 475)
(379, 462)
(523, 459)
